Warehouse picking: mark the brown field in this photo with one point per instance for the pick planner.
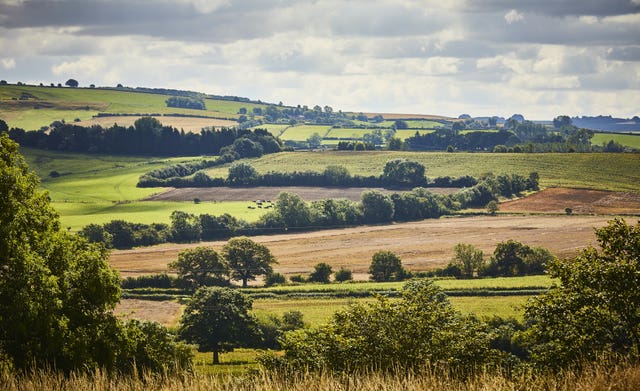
(271, 193)
(581, 201)
(390, 116)
(189, 124)
(164, 312)
(421, 245)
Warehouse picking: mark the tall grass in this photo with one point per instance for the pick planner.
(604, 376)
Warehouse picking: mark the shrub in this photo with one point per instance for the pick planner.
(343, 275)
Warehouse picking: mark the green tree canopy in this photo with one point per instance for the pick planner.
(247, 259)
(241, 173)
(420, 328)
(595, 309)
(57, 291)
(403, 172)
(386, 266)
(376, 207)
(201, 266)
(321, 273)
(468, 258)
(218, 320)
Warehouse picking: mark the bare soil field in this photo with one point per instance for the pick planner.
(581, 201)
(271, 193)
(189, 124)
(421, 245)
(163, 312)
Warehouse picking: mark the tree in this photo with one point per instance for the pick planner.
(336, 175)
(400, 124)
(321, 273)
(314, 141)
(595, 308)
(492, 207)
(201, 266)
(420, 328)
(386, 266)
(468, 258)
(292, 211)
(403, 172)
(185, 227)
(71, 83)
(218, 320)
(57, 292)
(3, 126)
(241, 174)
(343, 274)
(562, 121)
(376, 207)
(247, 259)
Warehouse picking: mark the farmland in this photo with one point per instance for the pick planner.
(629, 140)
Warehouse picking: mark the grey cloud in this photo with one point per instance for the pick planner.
(558, 8)
(624, 53)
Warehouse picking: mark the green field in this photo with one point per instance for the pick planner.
(303, 132)
(404, 134)
(83, 103)
(348, 133)
(628, 140)
(603, 171)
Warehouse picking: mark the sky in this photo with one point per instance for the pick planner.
(539, 58)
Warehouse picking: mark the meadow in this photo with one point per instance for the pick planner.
(614, 172)
(628, 140)
(303, 132)
(48, 104)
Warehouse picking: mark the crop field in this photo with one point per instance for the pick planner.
(46, 104)
(601, 171)
(188, 124)
(421, 245)
(628, 140)
(274, 129)
(303, 132)
(423, 124)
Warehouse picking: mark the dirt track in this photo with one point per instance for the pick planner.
(421, 245)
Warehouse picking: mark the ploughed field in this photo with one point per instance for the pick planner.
(421, 245)
(219, 194)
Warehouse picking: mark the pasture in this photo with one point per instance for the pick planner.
(303, 132)
(41, 106)
(628, 140)
(613, 172)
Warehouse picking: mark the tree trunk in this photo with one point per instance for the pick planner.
(244, 282)
(216, 359)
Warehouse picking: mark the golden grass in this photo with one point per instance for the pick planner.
(594, 377)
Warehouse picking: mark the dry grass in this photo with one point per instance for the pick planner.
(421, 245)
(167, 313)
(596, 377)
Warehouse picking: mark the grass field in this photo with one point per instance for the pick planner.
(348, 133)
(48, 104)
(602, 171)
(404, 134)
(303, 132)
(628, 140)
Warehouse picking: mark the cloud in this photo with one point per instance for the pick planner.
(8, 63)
(513, 16)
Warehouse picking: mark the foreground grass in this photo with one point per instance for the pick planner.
(600, 171)
(604, 376)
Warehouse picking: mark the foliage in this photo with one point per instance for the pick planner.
(377, 207)
(272, 279)
(403, 172)
(468, 258)
(57, 291)
(241, 174)
(421, 328)
(386, 266)
(186, 102)
(247, 259)
(492, 207)
(218, 319)
(343, 274)
(595, 310)
(201, 266)
(185, 227)
(512, 258)
(321, 273)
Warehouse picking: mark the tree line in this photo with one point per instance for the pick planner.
(148, 137)
(397, 173)
(290, 212)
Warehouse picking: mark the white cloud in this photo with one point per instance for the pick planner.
(86, 67)
(8, 63)
(513, 16)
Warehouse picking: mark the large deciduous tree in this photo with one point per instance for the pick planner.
(386, 266)
(57, 291)
(403, 172)
(247, 259)
(595, 309)
(218, 320)
(201, 266)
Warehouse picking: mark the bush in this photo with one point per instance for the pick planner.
(298, 278)
(274, 279)
(343, 275)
